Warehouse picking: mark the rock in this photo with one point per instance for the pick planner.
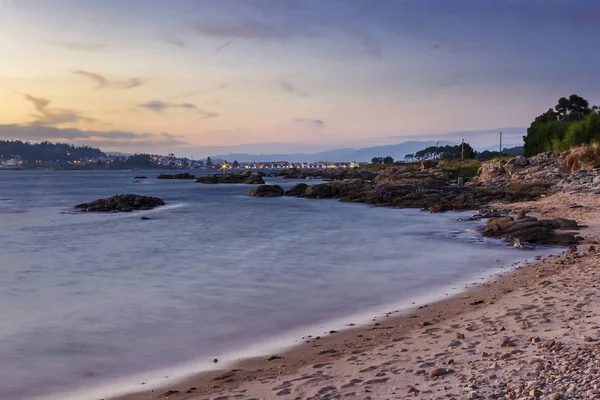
(297, 190)
(572, 249)
(254, 179)
(208, 180)
(121, 203)
(185, 175)
(244, 177)
(439, 372)
(140, 177)
(266, 191)
(145, 218)
(427, 164)
(528, 229)
(321, 191)
(519, 161)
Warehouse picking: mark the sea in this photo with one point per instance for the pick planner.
(94, 305)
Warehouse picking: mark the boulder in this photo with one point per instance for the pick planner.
(185, 175)
(266, 191)
(321, 191)
(530, 229)
(121, 203)
(245, 177)
(140, 177)
(427, 164)
(297, 190)
(254, 179)
(208, 180)
(519, 162)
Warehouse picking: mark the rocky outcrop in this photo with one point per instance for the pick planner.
(121, 203)
(266, 191)
(245, 177)
(531, 230)
(185, 175)
(401, 187)
(327, 174)
(544, 168)
(297, 190)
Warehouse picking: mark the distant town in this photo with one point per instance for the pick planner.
(15, 155)
(49, 156)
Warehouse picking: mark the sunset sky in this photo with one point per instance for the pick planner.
(288, 75)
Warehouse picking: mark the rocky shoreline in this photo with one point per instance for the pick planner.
(530, 334)
(121, 203)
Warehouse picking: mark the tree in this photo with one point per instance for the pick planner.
(235, 164)
(548, 132)
(572, 109)
(209, 162)
(388, 160)
(377, 160)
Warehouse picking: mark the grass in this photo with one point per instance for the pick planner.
(461, 168)
(585, 157)
(379, 167)
(528, 188)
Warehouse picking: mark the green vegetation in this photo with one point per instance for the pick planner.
(274, 357)
(444, 152)
(461, 168)
(46, 152)
(571, 123)
(382, 160)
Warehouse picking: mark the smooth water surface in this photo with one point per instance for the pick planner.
(86, 298)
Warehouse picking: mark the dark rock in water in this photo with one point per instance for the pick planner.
(145, 218)
(245, 177)
(121, 203)
(254, 179)
(185, 175)
(140, 177)
(266, 191)
(297, 190)
(530, 229)
(208, 180)
(321, 191)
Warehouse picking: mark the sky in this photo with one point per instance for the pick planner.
(190, 77)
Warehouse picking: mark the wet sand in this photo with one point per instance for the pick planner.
(516, 336)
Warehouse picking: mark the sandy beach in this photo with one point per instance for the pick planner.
(531, 333)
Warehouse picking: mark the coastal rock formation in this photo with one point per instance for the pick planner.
(245, 177)
(328, 174)
(297, 190)
(185, 175)
(401, 187)
(121, 203)
(544, 168)
(532, 230)
(266, 191)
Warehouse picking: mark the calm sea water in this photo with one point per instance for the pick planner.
(89, 298)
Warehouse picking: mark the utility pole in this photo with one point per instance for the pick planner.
(500, 144)
(462, 149)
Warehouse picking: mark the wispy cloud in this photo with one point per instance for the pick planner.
(289, 87)
(159, 106)
(218, 87)
(103, 82)
(47, 116)
(223, 46)
(317, 123)
(252, 30)
(92, 137)
(175, 41)
(81, 46)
